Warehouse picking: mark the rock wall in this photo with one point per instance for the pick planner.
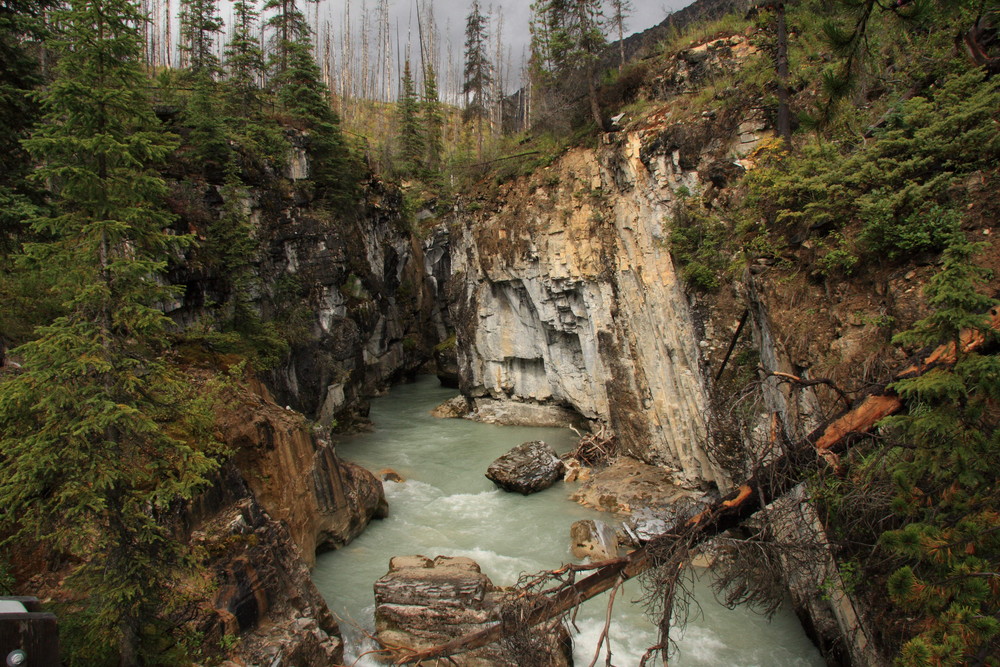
(263, 602)
(282, 496)
(324, 501)
(567, 293)
(347, 288)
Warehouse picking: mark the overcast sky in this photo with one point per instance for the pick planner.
(450, 16)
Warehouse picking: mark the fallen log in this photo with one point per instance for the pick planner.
(766, 485)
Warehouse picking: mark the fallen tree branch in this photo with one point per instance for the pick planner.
(802, 382)
(765, 485)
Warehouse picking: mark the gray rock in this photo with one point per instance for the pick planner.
(528, 468)
(646, 523)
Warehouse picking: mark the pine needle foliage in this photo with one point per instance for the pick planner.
(97, 441)
(947, 491)
(899, 186)
(301, 93)
(411, 140)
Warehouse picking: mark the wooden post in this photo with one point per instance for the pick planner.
(25, 627)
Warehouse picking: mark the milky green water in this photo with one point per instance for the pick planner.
(447, 507)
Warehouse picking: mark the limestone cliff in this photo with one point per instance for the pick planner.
(569, 295)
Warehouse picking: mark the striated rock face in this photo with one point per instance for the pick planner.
(527, 468)
(348, 289)
(569, 294)
(326, 502)
(422, 603)
(263, 595)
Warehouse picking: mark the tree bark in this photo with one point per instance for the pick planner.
(766, 485)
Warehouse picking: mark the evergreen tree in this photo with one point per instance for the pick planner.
(302, 94)
(244, 62)
(478, 70)
(97, 434)
(620, 11)
(20, 24)
(433, 120)
(411, 143)
(947, 480)
(200, 23)
(576, 39)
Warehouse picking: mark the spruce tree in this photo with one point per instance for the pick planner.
(97, 434)
(478, 70)
(199, 26)
(20, 24)
(433, 121)
(300, 91)
(620, 11)
(244, 63)
(411, 142)
(948, 496)
(576, 39)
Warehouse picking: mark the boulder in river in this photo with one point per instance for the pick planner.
(593, 539)
(529, 467)
(452, 408)
(422, 603)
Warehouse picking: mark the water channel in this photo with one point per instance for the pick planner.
(447, 507)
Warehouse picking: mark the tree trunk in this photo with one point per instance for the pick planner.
(595, 109)
(763, 487)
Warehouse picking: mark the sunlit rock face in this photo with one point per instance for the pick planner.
(568, 294)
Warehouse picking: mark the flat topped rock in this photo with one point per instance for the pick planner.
(529, 467)
(422, 602)
(628, 484)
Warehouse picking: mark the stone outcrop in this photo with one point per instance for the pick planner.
(452, 408)
(629, 484)
(348, 289)
(264, 602)
(326, 502)
(282, 496)
(422, 603)
(527, 468)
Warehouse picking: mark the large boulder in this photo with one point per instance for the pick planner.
(529, 467)
(422, 603)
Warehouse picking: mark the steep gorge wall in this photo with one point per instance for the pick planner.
(346, 287)
(568, 294)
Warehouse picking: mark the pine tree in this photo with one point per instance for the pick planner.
(244, 62)
(433, 120)
(300, 91)
(97, 440)
(947, 487)
(20, 24)
(576, 38)
(478, 70)
(411, 142)
(200, 23)
(620, 11)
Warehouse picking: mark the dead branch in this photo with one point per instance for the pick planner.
(765, 485)
(607, 626)
(802, 382)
